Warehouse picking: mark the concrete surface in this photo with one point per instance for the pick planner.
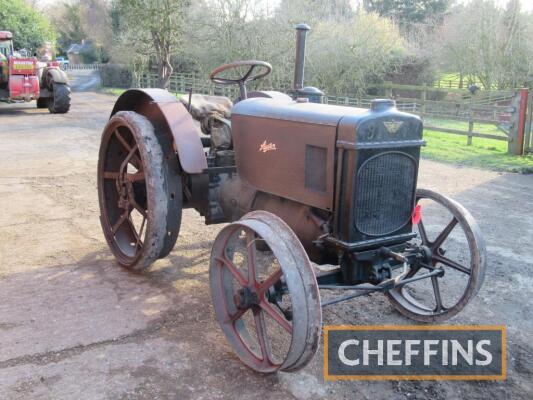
(74, 325)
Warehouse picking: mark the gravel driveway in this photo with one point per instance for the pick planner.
(74, 325)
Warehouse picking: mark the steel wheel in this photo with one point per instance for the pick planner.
(132, 182)
(453, 243)
(267, 303)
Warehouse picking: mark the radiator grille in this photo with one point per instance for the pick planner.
(384, 193)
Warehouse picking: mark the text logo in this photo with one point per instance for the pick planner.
(463, 352)
(267, 147)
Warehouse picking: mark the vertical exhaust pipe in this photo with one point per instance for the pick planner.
(299, 63)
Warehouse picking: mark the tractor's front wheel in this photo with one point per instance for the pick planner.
(59, 103)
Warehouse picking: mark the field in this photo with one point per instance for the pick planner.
(483, 153)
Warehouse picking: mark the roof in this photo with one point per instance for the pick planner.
(6, 35)
(74, 48)
(81, 48)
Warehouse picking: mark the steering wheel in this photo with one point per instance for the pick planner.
(249, 76)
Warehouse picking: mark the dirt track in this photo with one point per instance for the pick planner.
(74, 325)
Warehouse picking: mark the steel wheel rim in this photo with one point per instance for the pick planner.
(303, 343)
(123, 192)
(461, 219)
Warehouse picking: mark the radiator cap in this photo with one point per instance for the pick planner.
(380, 105)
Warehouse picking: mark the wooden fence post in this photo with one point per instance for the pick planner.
(470, 121)
(424, 98)
(518, 123)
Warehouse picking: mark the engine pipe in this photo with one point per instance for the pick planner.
(301, 34)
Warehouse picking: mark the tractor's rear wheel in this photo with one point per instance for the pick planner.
(59, 103)
(42, 102)
(133, 190)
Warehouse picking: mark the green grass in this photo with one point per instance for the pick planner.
(483, 153)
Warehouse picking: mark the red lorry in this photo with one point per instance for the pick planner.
(26, 79)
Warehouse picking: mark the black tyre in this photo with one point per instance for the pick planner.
(134, 192)
(42, 102)
(60, 101)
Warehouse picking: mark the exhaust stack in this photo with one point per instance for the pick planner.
(299, 63)
(312, 94)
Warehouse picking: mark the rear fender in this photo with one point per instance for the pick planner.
(53, 75)
(168, 115)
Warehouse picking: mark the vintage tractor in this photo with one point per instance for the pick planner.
(26, 79)
(320, 199)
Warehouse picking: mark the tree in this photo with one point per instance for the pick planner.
(67, 20)
(485, 42)
(154, 28)
(30, 29)
(407, 12)
(347, 56)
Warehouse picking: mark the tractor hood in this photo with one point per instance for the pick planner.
(289, 110)
(288, 148)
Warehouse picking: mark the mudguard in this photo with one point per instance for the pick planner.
(53, 75)
(168, 115)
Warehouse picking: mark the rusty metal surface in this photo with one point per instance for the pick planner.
(304, 326)
(299, 61)
(168, 115)
(320, 114)
(269, 94)
(271, 156)
(131, 179)
(472, 265)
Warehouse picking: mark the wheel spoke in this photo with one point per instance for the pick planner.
(444, 234)
(251, 257)
(271, 280)
(139, 242)
(436, 290)
(260, 327)
(233, 269)
(135, 233)
(238, 314)
(111, 175)
(423, 233)
(450, 263)
(276, 316)
(245, 77)
(123, 141)
(136, 205)
(136, 161)
(138, 176)
(120, 221)
(124, 165)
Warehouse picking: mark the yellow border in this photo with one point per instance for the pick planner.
(501, 328)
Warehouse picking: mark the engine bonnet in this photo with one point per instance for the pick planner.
(289, 110)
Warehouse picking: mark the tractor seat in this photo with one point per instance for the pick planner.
(204, 106)
(211, 114)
